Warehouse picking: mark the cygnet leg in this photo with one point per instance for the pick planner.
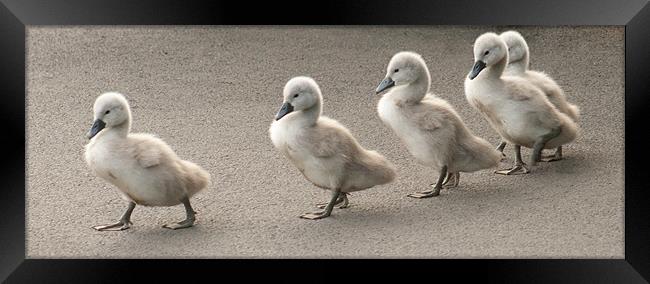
(328, 209)
(123, 224)
(452, 180)
(343, 198)
(436, 187)
(447, 177)
(539, 145)
(189, 217)
(519, 168)
(500, 148)
(555, 157)
(346, 203)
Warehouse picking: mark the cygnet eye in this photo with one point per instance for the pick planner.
(396, 70)
(486, 52)
(295, 96)
(107, 112)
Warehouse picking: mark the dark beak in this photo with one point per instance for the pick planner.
(97, 127)
(478, 66)
(385, 84)
(284, 110)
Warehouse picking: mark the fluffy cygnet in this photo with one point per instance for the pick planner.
(143, 167)
(430, 127)
(514, 107)
(518, 64)
(322, 149)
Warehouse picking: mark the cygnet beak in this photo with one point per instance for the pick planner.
(98, 125)
(385, 84)
(478, 66)
(284, 110)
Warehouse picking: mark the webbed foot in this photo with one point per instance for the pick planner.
(518, 169)
(119, 226)
(425, 194)
(189, 222)
(316, 215)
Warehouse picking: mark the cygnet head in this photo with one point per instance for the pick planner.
(110, 110)
(404, 68)
(489, 49)
(300, 93)
(517, 46)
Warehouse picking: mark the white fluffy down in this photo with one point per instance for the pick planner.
(518, 65)
(518, 110)
(429, 126)
(321, 148)
(143, 167)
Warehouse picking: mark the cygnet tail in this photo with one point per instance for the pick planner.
(194, 177)
(380, 168)
(570, 131)
(484, 155)
(574, 112)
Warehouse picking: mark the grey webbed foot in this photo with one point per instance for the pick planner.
(337, 197)
(123, 224)
(519, 168)
(516, 170)
(436, 187)
(119, 226)
(425, 194)
(180, 225)
(189, 217)
(316, 215)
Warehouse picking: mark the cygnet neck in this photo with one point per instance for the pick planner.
(518, 66)
(496, 70)
(311, 115)
(415, 91)
(123, 129)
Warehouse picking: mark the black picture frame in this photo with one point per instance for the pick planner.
(15, 15)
